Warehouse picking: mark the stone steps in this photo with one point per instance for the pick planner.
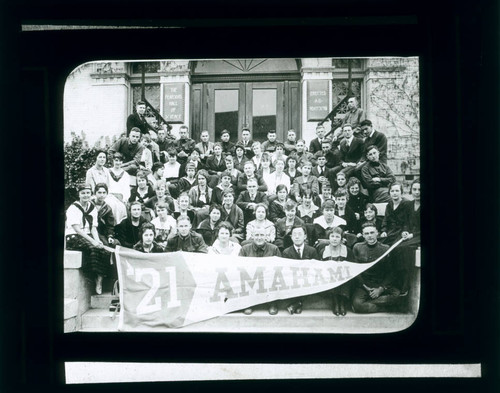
(317, 321)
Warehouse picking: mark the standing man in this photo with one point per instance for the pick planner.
(138, 119)
(299, 250)
(374, 290)
(374, 138)
(184, 145)
(131, 150)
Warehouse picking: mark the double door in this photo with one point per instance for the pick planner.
(259, 106)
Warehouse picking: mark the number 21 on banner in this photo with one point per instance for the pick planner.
(151, 303)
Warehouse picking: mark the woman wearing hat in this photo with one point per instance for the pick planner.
(81, 235)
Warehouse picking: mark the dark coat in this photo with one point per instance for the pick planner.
(380, 140)
(193, 242)
(283, 239)
(209, 234)
(267, 250)
(134, 120)
(235, 217)
(354, 152)
(315, 146)
(212, 166)
(156, 248)
(127, 234)
(308, 253)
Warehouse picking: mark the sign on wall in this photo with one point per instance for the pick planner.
(318, 96)
(173, 102)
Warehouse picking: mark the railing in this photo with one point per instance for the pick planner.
(157, 114)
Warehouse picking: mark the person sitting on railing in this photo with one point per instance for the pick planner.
(374, 289)
(81, 235)
(376, 176)
(184, 145)
(138, 120)
(315, 144)
(204, 147)
(131, 150)
(148, 243)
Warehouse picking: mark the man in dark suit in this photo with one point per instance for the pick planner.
(374, 138)
(186, 239)
(246, 142)
(248, 200)
(315, 144)
(299, 250)
(351, 151)
(138, 120)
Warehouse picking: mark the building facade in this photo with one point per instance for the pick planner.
(260, 94)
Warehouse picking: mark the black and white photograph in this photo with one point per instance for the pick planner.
(181, 174)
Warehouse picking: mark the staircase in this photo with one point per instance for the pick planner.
(316, 317)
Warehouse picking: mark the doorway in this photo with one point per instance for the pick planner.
(260, 106)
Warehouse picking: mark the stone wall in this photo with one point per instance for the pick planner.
(393, 105)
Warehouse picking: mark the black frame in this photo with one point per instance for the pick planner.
(455, 324)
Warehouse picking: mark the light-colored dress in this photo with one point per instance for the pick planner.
(268, 227)
(232, 249)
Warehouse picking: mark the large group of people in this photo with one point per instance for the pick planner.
(156, 193)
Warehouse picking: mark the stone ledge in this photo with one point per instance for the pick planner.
(70, 308)
(310, 321)
(72, 259)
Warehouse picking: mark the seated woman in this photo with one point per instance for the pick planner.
(357, 200)
(223, 245)
(171, 171)
(143, 192)
(277, 177)
(276, 208)
(81, 235)
(257, 155)
(161, 196)
(279, 154)
(284, 225)
(336, 250)
(291, 167)
(201, 197)
(189, 180)
(339, 182)
(147, 243)
(327, 220)
(165, 225)
(229, 160)
(106, 221)
(265, 170)
(98, 173)
(261, 222)
(308, 211)
(239, 157)
(351, 227)
(208, 227)
(194, 158)
(119, 189)
(223, 186)
(234, 215)
(183, 207)
(128, 231)
(156, 174)
(370, 215)
(397, 219)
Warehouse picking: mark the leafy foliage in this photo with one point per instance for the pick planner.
(78, 158)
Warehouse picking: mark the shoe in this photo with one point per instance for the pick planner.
(335, 306)
(342, 308)
(98, 285)
(290, 308)
(298, 308)
(248, 311)
(273, 310)
(295, 308)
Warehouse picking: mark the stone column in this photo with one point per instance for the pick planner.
(107, 102)
(174, 74)
(314, 70)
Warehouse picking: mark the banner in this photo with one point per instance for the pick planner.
(171, 290)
